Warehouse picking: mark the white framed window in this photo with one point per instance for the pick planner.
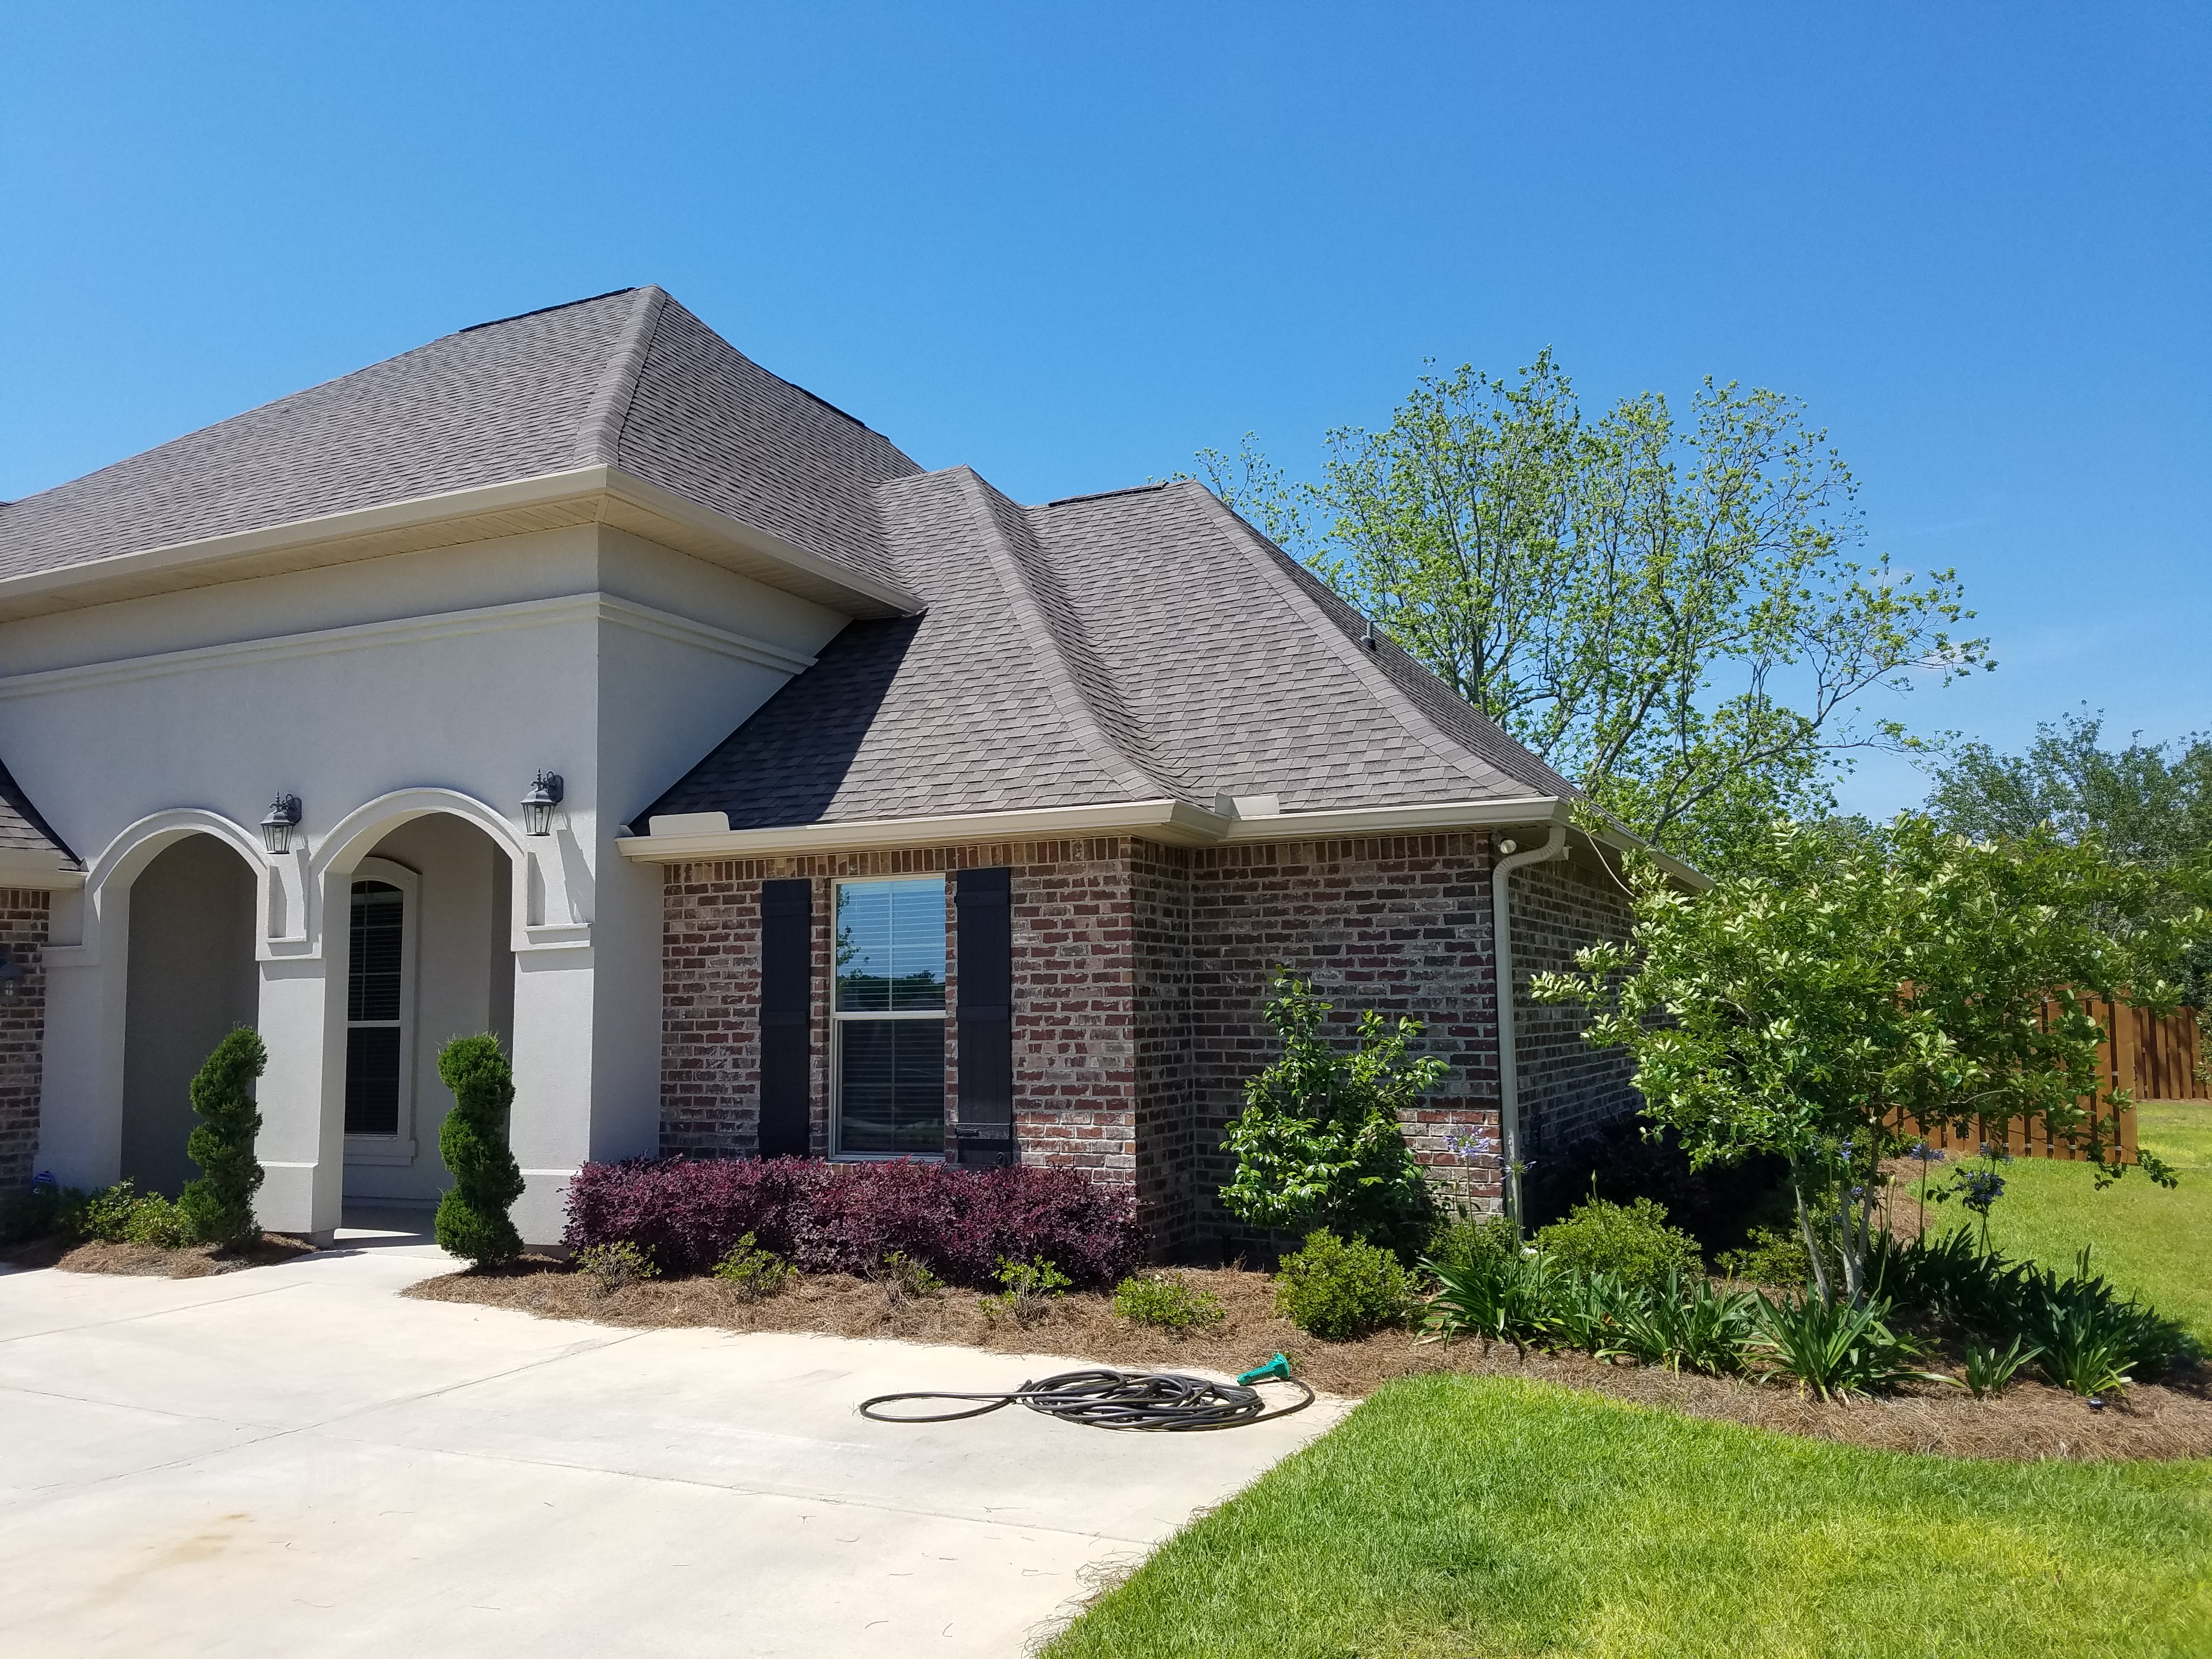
(379, 1060)
(887, 1018)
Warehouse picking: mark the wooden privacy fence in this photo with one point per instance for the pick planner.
(2151, 1058)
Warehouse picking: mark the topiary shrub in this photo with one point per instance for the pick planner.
(1631, 1241)
(219, 1206)
(472, 1220)
(1339, 1289)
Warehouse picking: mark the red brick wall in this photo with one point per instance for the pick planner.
(23, 916)
(1139, 970)
(1567, 1088)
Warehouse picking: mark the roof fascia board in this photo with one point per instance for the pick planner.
(443, 519)
(1176, 821)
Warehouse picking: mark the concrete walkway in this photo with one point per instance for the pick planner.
(294, 1460)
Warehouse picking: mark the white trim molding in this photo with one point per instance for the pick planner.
(696, 837)
(409, 630)
(38, 870)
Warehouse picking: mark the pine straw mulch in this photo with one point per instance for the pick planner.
(2031, 1422)
(151, 1261)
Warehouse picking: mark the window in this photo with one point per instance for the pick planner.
(887, 1018)
(377, 986)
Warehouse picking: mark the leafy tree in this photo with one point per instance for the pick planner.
(1838, 979)
(1318, 1145)
(1666, 612)
(472, 1221)
(2148, 803)
(218, 1204)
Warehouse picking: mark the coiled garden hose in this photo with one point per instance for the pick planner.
(1168, 1402)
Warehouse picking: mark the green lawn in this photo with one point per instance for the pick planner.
(2154, 1244)
(1455, 1515)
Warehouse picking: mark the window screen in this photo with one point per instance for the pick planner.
(373, 1010)
(889, 1015)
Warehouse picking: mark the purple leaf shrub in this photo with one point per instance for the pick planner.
(847, 1218)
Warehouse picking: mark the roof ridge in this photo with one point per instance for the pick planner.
(599, 434)
(1064, 679)
(1263, 554)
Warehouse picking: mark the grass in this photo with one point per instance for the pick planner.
(2152, 1243)
(1459, 1515)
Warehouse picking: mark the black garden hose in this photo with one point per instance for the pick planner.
(1168, 1402)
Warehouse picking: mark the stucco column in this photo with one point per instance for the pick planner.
(302, 1094)
(550, 1130)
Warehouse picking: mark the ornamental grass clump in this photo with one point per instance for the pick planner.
(1832, 1349)
(1167, 1302)
(1515, 1297)
(219, 1206)
(472, 1220)
(1339, 1289)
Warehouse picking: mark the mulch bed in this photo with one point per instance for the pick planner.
(152, 1261)
(2032, 1421)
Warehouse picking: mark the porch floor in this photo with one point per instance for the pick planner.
(293, 1458)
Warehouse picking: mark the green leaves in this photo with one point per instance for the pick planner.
(218, 1204)
(1628, 595)
(1318, 1144)
(473, 1219)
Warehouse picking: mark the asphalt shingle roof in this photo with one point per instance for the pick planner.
(629, 379)
(1142, 644)
(22, 829)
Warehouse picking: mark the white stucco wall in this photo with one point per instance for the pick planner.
(379, 692)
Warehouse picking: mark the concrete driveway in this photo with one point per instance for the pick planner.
(294, 1460)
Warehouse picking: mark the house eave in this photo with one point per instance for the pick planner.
(591, 495)
(40, 870)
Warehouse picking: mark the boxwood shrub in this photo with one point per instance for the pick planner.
(687, 1214)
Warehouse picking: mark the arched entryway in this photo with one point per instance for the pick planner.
(430, 958)
(192, 978)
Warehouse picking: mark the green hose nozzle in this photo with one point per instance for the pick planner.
(1277, 1369)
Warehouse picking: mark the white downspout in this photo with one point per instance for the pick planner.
(1501, 939)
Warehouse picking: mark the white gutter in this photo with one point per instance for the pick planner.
(1501, 938)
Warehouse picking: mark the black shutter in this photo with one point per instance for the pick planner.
(787, 1014)
(983, 938)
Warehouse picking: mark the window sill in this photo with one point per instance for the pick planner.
(886, 1157)
(378, 1149)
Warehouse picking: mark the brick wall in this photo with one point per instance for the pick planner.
(23, 916)
(1567, 1088)
(1139, 972)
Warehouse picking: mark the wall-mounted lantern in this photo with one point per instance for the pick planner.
(545, 792)
(11, 973)
(276, 829)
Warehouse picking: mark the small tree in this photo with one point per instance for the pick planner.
(473, 1219)
(1318, 1145)
(219, 1206)
(1843, 979)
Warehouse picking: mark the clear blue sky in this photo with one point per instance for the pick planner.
(1071, 245)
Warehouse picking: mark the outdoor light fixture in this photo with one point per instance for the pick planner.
(276, 829)
(11, 972)
(545, 792)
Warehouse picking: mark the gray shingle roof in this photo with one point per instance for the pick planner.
(629, 379)
(1136, 646)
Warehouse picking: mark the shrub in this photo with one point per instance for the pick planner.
(1675, 1325)
(121, 1214)
(219, 1206)
(847, 1217)
(1169, 1302)
(473, 1219)
(40, 1211)
(2093, 1339)
(905, 1279)
(1631, 1241)
(1340, 1289)
(616, 1265)
(1464, 1244)
(1768, 1257)
(752, 1274)
(1319, 1141)
(1031, 1287)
